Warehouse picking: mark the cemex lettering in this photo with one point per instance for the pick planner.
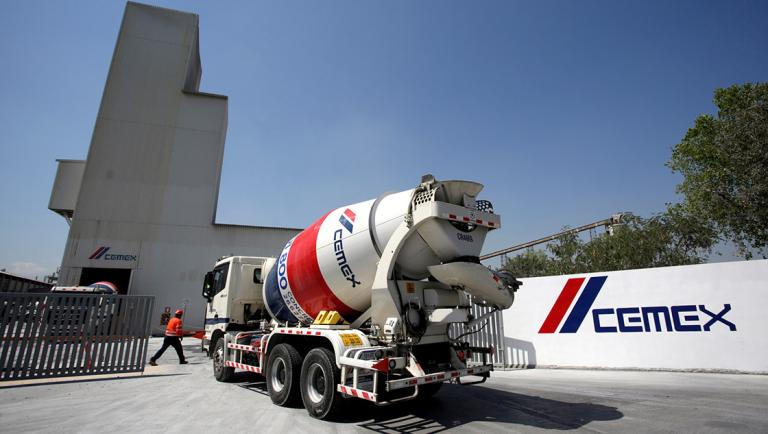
(635, 319)
(341, 258)
(101, 253)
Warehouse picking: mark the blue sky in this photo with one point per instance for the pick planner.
(566, 111)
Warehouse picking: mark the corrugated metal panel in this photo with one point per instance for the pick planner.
(12, 283)
(491, 334)
(57, 335)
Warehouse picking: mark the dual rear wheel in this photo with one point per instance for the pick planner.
(319, 378)
(283, 371)
(313, 380)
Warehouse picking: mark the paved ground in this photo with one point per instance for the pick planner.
(186, 398)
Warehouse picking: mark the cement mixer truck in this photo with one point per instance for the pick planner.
(369, 302)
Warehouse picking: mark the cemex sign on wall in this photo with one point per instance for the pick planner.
(692, 317)
(103, 252)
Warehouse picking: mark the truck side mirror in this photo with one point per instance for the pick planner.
(208, 286)
(257, 276)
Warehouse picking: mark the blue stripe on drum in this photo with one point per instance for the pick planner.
(274, 300)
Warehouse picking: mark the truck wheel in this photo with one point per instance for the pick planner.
(220, 371)
(319, 378)
(283, 370)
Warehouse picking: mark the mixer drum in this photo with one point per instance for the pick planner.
(331, 264)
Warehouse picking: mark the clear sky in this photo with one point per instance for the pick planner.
(566, 111)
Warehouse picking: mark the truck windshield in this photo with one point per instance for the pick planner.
(220, 277)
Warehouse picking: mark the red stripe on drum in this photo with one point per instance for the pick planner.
(307, 282)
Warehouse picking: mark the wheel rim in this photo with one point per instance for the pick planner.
(218, 360)
(277, 375)
(316, 383)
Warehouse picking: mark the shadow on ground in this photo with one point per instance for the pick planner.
(252, 382)
(55, 380)
(457, 405)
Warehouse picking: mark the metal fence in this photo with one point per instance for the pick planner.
(490, 335)
(13, 283)
(57, 335)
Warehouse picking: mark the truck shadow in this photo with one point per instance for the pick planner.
(457, 405)
(250, 381)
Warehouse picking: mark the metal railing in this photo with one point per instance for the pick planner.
(57, 335)
(490, 335)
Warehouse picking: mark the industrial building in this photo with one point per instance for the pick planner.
(142, 205)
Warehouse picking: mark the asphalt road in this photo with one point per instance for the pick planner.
(187, 399)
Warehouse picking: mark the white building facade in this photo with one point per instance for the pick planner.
(142, 206)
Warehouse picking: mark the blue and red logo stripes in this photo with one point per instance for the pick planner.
(580, 308)
(347, 219)
(99, 252)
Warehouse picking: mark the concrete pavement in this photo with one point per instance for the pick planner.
(186, 398)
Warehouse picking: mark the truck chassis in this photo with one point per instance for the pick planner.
(362, 375)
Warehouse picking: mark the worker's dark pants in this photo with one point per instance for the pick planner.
(170, 341)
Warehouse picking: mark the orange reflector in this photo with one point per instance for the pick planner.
(382, 365)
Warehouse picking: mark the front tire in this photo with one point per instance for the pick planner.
(220, 371)
(319, 378)
(283, 371)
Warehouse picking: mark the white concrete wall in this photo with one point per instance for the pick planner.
(690, 344)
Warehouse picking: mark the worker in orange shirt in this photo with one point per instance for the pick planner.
(173, 336)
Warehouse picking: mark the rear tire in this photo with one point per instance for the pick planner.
(319, 378)
(283, 372)
(220, 371)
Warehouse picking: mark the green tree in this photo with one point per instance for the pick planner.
(566, 254)
(671, 238)
(724, 163)
(560, 258)
(530, 263)
(667, 239)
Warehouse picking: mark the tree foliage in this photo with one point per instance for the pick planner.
(724, 162)
(671, 238)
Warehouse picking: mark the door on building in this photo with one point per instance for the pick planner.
(120, 277)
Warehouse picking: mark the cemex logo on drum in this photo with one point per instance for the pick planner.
(347, 219)
(648, 319)
(101, 253)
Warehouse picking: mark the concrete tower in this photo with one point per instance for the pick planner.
(145, 207)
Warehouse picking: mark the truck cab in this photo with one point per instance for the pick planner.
(233, 290)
